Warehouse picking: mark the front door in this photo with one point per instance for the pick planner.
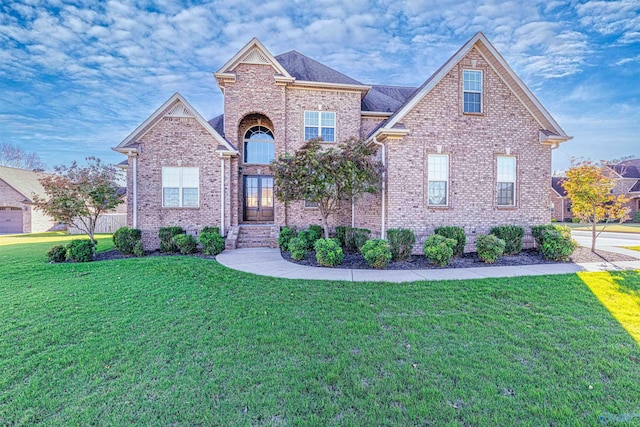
(258, 198)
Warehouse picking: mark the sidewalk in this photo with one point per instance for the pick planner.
(268, 262)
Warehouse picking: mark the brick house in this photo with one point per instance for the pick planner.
(469, 147)
(561, 204)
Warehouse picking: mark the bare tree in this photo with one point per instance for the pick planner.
(14, 156)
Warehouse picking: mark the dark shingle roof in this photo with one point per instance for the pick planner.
(636, 187)
(628, 168)
(386, 98)
(556, 184)
(304, 68)
(217, 123)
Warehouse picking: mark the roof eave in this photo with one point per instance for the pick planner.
(344, 86)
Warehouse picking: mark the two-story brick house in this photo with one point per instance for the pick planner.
(470, 147)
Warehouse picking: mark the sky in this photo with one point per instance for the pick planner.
(76, 77)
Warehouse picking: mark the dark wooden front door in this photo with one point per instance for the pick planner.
(258, 198)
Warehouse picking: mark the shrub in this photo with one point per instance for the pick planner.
(557, 246)
(575, 220)
(309, 238)
(439, 249)
(340, 234)
(298, 248)
(512, 236)
(317, 229)
(401, 241)
(138, 249)
(554, 220)
(377, 253)
(489, 247)
(455, 233)
(355, 238)
(210, 229)
(285, 236)
(125, 239)
(212, 242)
(167, 234)
(328, 252)
(537, 230)
(81, 250)
(636, 216)
(57, 253)
(186, 243)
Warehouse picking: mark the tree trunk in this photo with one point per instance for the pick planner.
(325, 226)
(593, 231)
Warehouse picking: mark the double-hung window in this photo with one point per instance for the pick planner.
(472, 90)
(320, 124)
(506, 178)
(438, 178)
(180, 187)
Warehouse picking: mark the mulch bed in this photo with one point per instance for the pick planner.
(419, 262)
(116, 254)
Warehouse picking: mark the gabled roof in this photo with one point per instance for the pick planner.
(176, 106)
(304, 68)
(635, 188)
(500, 66)
(386, 99)
(253, 52)
(628, 168)
(556, 184)
(25, 182)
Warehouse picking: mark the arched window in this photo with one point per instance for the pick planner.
(258, 146)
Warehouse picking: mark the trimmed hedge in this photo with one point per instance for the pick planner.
(298, 248)
(285, 236)
(81, 250)
(554, 242)
(355, 238)
(439, 249)
(340, 234)
(210, 229)
(211, 241)
(455, 233)
(309, 238)
(377, 253)
(57, 253)
(537, 230)
(401, 241)
(512, 236)
(318, 230)
(167, 234)
(328, 252)
(126, 240)
(186, 243)
(636, 216)
(489, 247)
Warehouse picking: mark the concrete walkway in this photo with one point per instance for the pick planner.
(269, 262)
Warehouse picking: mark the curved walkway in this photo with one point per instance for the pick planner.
(269, 262)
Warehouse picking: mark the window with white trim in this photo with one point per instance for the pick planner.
(472, 91)
(180, 187)
(320, 124)
(438, 179)
(310, 205)
(506, 178)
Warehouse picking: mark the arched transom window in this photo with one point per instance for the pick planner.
(258, 145)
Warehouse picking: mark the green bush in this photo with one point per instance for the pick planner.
(167, 234)
(340, 234)
(512, 236)
(81, 250)
(557, 244)
(125, 239)
(186, 243)
(355, 238)
(309, 238)
(439, 249)
(537, 230)
(285, 236)
(489, 247)
(377, 253)
(318, 230)
(455, 233)
(210, 229)
(298, 248)
(636, 216)
(212, 242)
(401, 241)
(328, 252)
(57, 253)
(575, 220)
(138, 249)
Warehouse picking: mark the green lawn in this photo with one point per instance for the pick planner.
(627, 227)
(185, 341)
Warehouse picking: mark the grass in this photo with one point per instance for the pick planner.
(185, 341)
(613, 228)
(633, 248)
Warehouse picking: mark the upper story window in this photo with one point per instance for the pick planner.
(506, 178)
(258, 146)
(472, 89)
(180, 187)
(320, 124)
(438, 177)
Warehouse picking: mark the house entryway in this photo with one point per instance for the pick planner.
(258, 198)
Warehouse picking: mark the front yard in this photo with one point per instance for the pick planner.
(184, 341)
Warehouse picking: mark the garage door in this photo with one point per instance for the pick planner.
(10, 220)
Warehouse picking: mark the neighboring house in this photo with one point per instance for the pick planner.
(627, 174)
(110, 221)
(561, 204)
(16, 212)
(469, 147)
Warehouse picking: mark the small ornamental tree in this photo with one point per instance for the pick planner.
(78, 195)
(327, 175)
(588, 186)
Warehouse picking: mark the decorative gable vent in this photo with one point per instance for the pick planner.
(179, 110)
(255, 57)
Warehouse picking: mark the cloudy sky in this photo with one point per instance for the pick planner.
(76, 77)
